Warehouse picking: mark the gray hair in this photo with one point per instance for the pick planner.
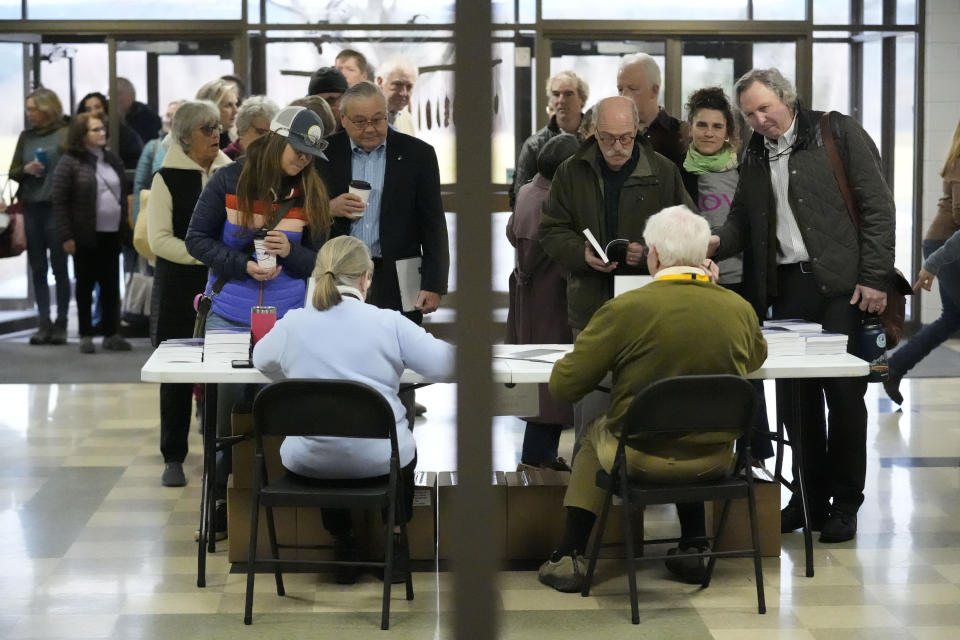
(598, 109)
(772, 79)
(583, 89)
(396, 64)
(651, 70)
(361, 91)
(191, 115)
(252, 108)
(215, 90)
(679, 235)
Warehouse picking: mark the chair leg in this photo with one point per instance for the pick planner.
(721, 527)
(251, 558)
(405, 546)
(597, 538)
(274, 550)
(631, 560)
(202, 529)
(755, 537)
(387, 566)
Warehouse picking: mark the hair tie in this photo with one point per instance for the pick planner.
(330, 273)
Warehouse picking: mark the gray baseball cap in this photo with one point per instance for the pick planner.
(302, 128)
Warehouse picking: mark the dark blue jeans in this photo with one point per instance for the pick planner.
(42, 237)
(932, 335)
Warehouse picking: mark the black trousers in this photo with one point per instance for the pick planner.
(176, 404)
(834, 444)
(99, 264)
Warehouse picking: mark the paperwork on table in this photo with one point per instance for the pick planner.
(801, 338)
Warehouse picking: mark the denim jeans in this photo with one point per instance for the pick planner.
(42, 237)
(934, 334)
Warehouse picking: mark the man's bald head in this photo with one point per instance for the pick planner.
(617, 127)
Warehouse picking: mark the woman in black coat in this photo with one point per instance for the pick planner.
(90, 206)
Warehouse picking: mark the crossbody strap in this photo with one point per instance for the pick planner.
(839, 172)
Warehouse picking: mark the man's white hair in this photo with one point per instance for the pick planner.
(583, 89)
(650, 67)
(397, 64)
(679, 235)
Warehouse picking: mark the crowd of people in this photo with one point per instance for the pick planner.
(340, 189)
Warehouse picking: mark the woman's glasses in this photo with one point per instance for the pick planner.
(210, 129)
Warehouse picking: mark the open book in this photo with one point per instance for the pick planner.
(615, 251)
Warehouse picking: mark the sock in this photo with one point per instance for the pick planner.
(576, 532)
(693, 524)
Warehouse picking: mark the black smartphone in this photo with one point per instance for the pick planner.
(241, 364)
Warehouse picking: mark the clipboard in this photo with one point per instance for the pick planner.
(408, 277)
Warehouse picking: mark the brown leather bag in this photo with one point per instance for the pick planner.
(897, 287)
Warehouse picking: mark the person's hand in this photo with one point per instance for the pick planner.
(427, 302)
(347, 205)
(636, 254)
(594, 261)
(257, 272)
(871, 300)
(924, 280)
(277, 243)
(713, 245)
(34, 168)
(712, 269)
(69, 247)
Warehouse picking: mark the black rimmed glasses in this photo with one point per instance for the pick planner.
(362, 124)
(607, 139)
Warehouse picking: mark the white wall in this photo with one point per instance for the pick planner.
(941, 112)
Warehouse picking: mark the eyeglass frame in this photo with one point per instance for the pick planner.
(208, 129)
(609, 139)
(368, 122)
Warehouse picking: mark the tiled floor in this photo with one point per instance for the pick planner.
(91, 546)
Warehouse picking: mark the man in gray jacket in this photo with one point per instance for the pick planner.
(805, 256)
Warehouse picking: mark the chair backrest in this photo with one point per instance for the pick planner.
(691, 404)
(337, 408)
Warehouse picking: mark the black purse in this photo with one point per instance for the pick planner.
(203, 308)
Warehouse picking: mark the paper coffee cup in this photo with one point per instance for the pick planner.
(264, 259)
(361, 189)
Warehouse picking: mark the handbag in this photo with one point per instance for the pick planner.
(13, 231)
(897, 288)
(140, 240)
(137, 294)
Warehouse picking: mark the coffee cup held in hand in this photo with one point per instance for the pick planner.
(264, 259)
(361, 189)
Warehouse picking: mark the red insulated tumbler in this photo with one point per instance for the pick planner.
(262, 320)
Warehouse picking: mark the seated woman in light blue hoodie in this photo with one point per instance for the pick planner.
(339, 336)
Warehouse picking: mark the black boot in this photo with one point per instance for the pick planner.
(59, 333)
(43, 334)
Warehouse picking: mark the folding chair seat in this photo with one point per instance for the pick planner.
(673, 407)
(333, 408)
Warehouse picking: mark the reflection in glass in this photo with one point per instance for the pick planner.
(700, 9)
(831, 12)
(108, 9)
(831, 77)
(361, 12)
(779, 9)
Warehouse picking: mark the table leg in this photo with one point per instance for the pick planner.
(796, 442)
(207, 499)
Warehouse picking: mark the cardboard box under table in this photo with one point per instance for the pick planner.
(736, 534)
(447, 492)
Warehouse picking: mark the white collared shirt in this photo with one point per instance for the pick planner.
(791, 245)
(671, 271)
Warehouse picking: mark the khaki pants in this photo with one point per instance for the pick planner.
(598, 448)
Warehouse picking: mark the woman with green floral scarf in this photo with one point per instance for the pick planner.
(710, 167)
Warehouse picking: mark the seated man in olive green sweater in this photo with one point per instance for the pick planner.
(680, 324)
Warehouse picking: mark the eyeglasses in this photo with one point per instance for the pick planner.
(96, 129)
(376, 123)
(625, 140)
(210, 129)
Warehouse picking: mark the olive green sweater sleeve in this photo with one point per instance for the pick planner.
(594, 355)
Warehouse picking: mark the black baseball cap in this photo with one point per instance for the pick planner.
(327, 80)
(302, 128)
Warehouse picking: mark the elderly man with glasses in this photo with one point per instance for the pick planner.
(611, 186)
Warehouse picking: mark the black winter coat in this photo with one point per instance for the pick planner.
(74, 197)
(840, 256)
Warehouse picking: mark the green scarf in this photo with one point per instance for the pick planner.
(698, 164)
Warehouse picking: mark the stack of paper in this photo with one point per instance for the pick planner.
(783, 342)
(824, 344)
(794, 324)
(224, 345)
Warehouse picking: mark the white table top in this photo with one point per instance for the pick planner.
(181, 363)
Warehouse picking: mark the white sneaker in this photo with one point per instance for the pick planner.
(566, 574)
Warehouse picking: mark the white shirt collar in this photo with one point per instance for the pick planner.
(668, 271)
(786, 140)
(350, 291)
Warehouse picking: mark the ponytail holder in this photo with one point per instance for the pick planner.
(330, 273)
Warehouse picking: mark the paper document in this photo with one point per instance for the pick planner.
(408, 277)
(622, 284)
(596, 245)
(535, 355)
(615, 251)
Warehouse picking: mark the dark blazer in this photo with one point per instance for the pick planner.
(412, 222)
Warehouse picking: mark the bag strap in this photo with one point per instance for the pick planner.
(839, 172)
